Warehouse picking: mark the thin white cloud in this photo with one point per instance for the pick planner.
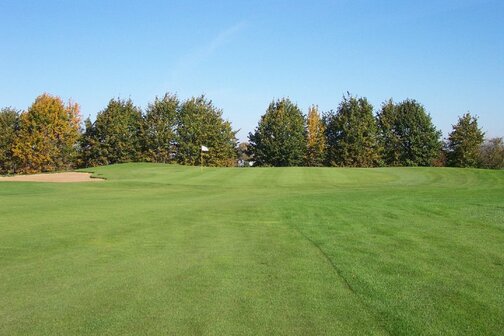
(199, 55)
(224, 37)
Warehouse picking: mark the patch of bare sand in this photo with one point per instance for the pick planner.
(53, 177)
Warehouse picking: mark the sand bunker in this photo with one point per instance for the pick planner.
(54, 177)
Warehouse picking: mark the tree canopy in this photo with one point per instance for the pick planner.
(159, 129)
(9, 123)
(47, 135)
(315, 138)
(492, 154)
(352, 134)
(115, 136)
(200, 123)
(464, 142)
(407, 134)
(280, 138)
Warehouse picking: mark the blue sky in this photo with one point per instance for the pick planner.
(447, 54)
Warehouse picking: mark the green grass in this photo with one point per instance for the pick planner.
(160, 250)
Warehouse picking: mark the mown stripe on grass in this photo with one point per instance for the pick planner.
(344, 280)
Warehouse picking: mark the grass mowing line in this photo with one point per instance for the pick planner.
(347, 284)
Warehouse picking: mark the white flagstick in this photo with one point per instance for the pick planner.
(203, 149)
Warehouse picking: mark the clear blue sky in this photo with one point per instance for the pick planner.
(447, 54)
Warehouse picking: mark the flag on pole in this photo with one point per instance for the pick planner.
(204, 149)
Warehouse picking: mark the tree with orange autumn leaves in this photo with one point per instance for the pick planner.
(47, 136)
(315, 139)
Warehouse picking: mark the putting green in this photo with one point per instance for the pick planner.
(166, 249)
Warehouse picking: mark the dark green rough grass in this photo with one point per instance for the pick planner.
(172, 250)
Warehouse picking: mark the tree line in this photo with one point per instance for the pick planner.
(49, 136)
(399, 134)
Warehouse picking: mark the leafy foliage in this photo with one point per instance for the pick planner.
(242, 151)
(9, 122)
(160, 123)
(407, 134)
(199, 123)
(47, 135)
(492, 154)
(115, 136)
(390, 140)
(315, 138)
(464, 142)
(90, 150)
(352, 134)
(280, 137)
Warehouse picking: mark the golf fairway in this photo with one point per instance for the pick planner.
(173, 250)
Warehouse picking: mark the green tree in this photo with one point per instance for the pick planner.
(160, 123)
(315, 138)
(9, 122)
(280, 137)
(47, 137)
(464, 142)
(407, 134)
(199, 123)
(352, 134)
(115, 136)
(492, 154)
(390, 140)
(90, 150)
